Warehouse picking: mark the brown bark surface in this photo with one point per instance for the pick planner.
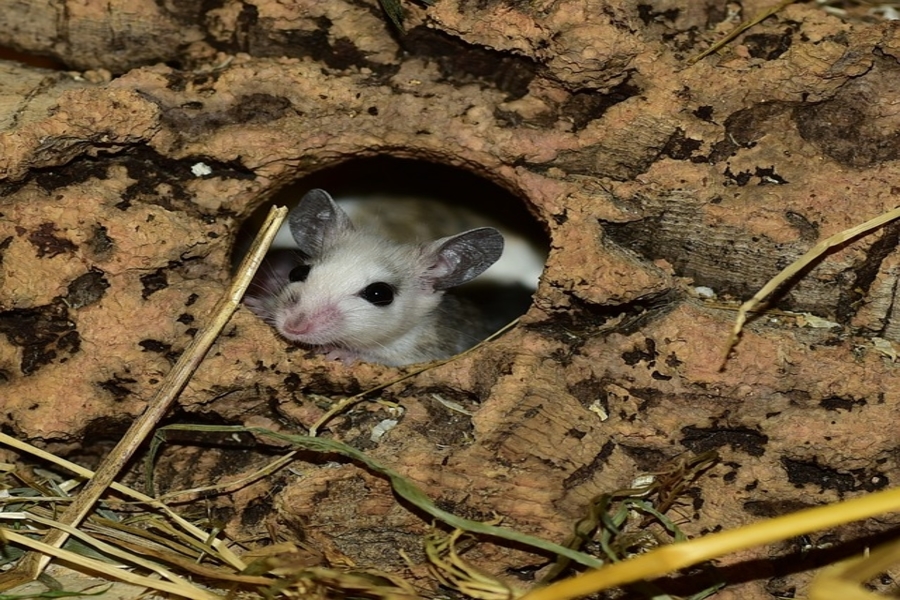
(651, 174)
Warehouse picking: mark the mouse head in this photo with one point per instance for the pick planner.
(357, 291)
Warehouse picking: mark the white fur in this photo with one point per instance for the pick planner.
(334, 284)
(522, 262)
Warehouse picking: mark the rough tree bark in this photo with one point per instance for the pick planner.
(650, 173)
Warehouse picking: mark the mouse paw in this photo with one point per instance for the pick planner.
(345, 356)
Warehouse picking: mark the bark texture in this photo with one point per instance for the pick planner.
(651, 175)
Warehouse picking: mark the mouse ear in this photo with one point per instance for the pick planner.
(454, 260)
(317, 220)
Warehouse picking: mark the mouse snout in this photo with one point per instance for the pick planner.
(307, 326)
(298, 325)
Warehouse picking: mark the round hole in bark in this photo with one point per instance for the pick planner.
(32, 60)
(409, 201)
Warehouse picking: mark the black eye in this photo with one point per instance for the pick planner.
(299, 273)
(378, 293)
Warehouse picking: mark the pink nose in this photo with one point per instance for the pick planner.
(298, 325)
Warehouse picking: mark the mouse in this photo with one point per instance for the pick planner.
(350, 292)
(407, 217)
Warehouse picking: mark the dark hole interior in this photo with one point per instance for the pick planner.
(414, 178)
(32, 60)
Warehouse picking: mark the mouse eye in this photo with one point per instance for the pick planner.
(299, 273)
(378, 293)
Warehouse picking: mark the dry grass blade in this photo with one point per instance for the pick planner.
(216, 546)
(843, 581)
(671, 558)
(190, 565)
(300, 573)
(797, 266)
(453, 572)
(30, 566)
(224, 488)
(107, 549)
(185, 591)
(759, 18)
(296, 578)
(346, 403)
(165, 544)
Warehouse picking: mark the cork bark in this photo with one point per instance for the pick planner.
(651, 175)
